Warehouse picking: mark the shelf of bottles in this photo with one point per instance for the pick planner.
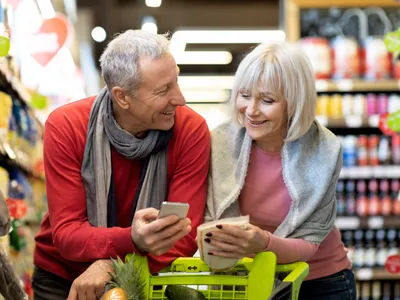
(378, 290)
(368, 251)
(368, 203)
(355, 110)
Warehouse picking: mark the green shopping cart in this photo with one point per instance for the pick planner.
(251, 279)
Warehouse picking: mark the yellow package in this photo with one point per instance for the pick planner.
(5, 114)
(4, 179)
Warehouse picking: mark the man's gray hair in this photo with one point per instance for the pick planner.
(120, 60)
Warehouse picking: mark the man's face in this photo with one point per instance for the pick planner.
(153, 106)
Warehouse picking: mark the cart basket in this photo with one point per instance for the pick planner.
(250, 279)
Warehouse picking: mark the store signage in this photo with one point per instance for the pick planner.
(392, 264)
(393, 121)
(384, 126)
(50, 38)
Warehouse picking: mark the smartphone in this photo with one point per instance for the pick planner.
(173, 208)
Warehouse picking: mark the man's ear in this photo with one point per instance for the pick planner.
(119, 97)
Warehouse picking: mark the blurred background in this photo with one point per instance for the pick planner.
(53, 60)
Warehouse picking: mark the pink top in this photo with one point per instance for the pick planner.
(266, 200)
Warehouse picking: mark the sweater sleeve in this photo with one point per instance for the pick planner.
(288, 250)
(73, 236)
(189, 184)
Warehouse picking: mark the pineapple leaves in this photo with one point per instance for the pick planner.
(127, 275)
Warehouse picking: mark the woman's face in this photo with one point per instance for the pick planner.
(264, 114)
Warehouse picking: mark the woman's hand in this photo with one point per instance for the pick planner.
(232, 241)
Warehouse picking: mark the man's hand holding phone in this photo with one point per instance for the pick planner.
(156, 232)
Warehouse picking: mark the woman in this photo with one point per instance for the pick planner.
(277, 164)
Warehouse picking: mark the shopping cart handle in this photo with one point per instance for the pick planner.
(298, 271)
(195, 264)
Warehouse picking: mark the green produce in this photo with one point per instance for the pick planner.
(180, 292)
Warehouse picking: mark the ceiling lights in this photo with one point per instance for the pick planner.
(181, 38)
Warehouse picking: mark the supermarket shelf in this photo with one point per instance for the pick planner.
(366, 274)
(377, 222)
(17, 159)
(357, 85)
(16, 89)
(349, 122)
(366, 172)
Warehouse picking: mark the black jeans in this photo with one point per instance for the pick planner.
(48, 286)
(339, 286)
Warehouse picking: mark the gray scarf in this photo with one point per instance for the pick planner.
(103, 131)
(310, 168)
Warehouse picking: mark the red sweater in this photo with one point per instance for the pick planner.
(67, 244)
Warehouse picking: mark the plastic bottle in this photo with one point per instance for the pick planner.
(384, 151)
(335, 106)
(387, 291)
(395, 187)
(347, 105)
(348, 242)
(362, 150)
(376, 290)
(396, 291)
(394, 103)
(382, 103)
(361, 202)
(370, 249)
(381, 248)
(391, 236)
(386, 200)
(373, 141)
(341, 202)
(374, 204)
(371, 104)
(350, 198)
(366, 291)
(396, 149)
(349, 151)
(358, 261)
(359, 105)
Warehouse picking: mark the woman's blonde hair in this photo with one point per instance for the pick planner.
(284, 70)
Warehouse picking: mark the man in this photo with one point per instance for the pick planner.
(110, 161)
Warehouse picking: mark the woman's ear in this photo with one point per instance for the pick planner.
(120, 97)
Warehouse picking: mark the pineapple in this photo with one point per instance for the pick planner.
(126, 276)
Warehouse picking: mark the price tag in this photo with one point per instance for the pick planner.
(353, 121)
(347, 222)
(364, 274)
(321, 85)
(323, 120)
(373, 121)
(343, 173)
(345, 85)
(379, 172)
(375, 222)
